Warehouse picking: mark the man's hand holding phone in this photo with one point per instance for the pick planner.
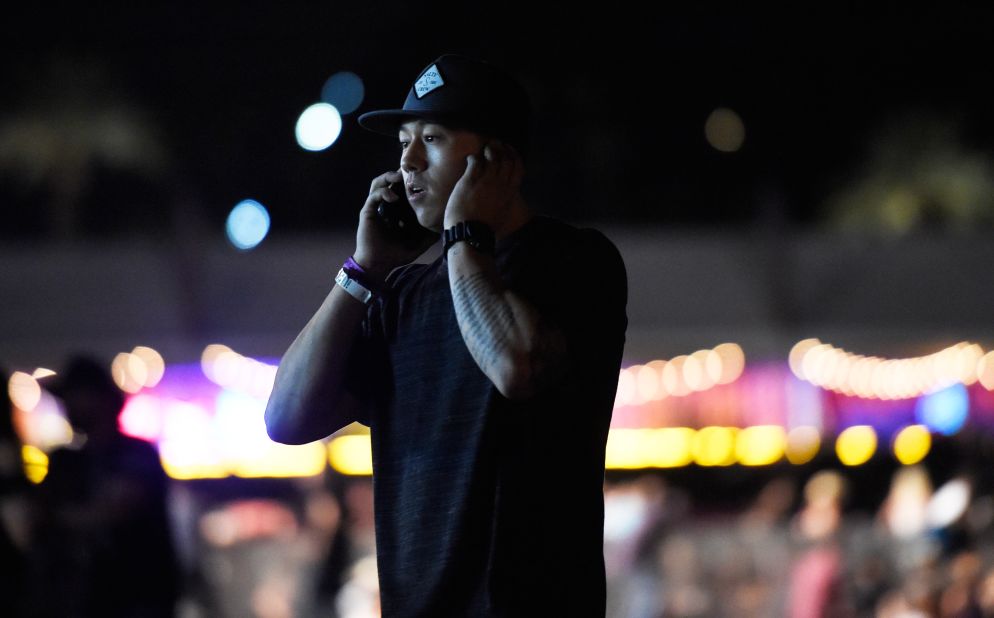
(380, 249)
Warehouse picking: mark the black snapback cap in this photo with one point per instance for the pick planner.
(461, 92)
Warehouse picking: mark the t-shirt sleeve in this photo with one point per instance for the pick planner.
(580, 284)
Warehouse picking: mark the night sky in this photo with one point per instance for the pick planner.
(620, 96)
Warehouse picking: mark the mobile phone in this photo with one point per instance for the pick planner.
(401, 222)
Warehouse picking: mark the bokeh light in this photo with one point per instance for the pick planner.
(912, 444)
(247, 225)
(35, 463)
(760, 445)
(343, 90)
(803, 444)
(948, 503)
(856, 445)
(715, 446)
(351, 454)
(141, 417)
(874, 377)
(155, 366)
(724, 130)
(662, 447)
(944, 411)
(129, 372)
(23, 390)
(318, 127)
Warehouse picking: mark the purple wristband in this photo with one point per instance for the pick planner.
(354, 271)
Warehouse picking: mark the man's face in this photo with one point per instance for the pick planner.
(432, 160)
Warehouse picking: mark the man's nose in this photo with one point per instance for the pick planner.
(412, 158)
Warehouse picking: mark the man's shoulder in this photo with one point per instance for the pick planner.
(561, 244)
(572, 241)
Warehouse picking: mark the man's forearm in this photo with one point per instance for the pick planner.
(307, 401)
(506, 335)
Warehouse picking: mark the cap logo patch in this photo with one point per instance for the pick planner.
(430, 80)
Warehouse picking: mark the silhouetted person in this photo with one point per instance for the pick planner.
(105, 545)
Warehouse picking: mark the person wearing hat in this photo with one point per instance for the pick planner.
(487, 377)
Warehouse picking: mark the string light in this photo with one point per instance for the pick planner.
(873, 377)
(681, 375)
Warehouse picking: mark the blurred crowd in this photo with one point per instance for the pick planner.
(797, 550)
(108, 534)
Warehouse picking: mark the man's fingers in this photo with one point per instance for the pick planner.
(384, 180)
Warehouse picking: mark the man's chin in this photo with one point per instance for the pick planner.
(428, 219)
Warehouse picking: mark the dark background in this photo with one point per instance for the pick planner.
(620, 91)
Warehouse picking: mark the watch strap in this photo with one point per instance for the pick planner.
(479, 235)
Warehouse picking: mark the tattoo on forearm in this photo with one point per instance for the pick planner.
(485, 317)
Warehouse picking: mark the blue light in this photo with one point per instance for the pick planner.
(944, 411)
(247, 224)
(344, 90)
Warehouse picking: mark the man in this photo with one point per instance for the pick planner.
(487, 377)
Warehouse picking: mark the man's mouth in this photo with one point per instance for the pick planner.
(414, 192)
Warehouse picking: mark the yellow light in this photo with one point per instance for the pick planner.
(912, 444)
(282, 461)
(671, 447)
(35, 463)
(625, 449)
(666, 447)
(724, 130)
(23, 390)
(715, 446)
(856, 445)
(802, 444)
(796, 357)
(760, 445)
(41, 372)
(351, 455)
(733, 362)
(155, 367)
(185, 471)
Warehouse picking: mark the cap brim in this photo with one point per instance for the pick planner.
(388, 121)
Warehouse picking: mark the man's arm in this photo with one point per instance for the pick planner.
(309, 400)
(519, 349)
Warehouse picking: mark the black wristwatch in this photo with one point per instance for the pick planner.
(476, 233)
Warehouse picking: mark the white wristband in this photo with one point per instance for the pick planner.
(353, 287)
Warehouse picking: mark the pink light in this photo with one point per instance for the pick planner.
(142, 417)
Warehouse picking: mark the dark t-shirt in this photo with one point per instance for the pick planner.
(486, 506)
